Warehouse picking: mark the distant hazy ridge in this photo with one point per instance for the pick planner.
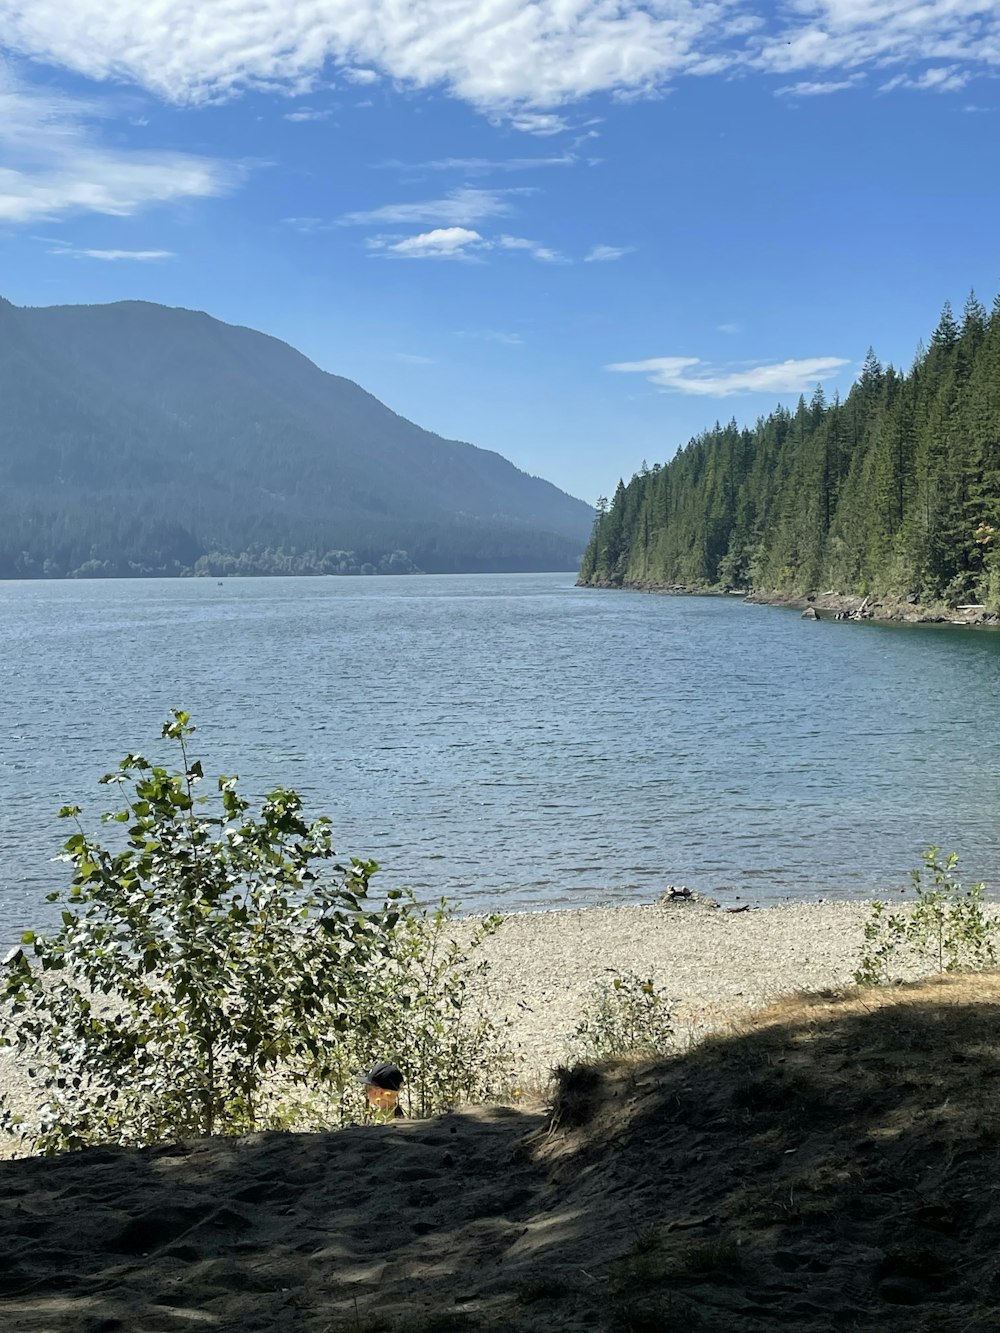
(140, 439)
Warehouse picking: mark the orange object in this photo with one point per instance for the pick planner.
(383, 1099)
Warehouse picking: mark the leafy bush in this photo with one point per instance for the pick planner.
(947, 927)
(627, 1015)
(220, 972)
(423, 1009)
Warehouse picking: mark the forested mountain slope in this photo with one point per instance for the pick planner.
(895, 491)
(139, 439)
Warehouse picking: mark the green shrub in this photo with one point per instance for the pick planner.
(947, 927)
(627, 1015)
(220, 972)
(429, 1020)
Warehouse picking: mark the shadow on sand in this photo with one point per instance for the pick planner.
(835, 1165)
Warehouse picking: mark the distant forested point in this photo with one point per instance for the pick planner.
(893, 492)
(139, 440)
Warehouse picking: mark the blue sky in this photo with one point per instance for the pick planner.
(573, 231)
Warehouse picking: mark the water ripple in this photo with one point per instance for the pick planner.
(515, 741)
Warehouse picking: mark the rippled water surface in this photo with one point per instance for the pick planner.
(514, 741)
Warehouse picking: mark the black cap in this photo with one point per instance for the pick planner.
(384, 1076)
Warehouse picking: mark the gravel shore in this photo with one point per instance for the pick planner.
(715, 966)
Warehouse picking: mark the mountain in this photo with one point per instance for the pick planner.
(893, 492)
(140, 439)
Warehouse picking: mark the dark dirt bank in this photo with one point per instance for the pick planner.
(836, 1164)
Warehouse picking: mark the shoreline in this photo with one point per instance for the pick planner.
(828, 605)
(716, 967)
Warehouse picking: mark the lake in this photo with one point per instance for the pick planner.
(513, 741)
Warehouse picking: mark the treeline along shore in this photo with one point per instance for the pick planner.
(888, 500)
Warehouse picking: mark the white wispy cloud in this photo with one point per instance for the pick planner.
(458, 243)
(56, 163)
(306, 113)
(521, 59)
(603, 254)
(413, 359)
(540, 252)
(846, 36)
(460, 208)
(942, 79)
(810, 88)
(139, 256)
(482, 166)
(727, 328)
(493, 53)
(308, 226)
(492, 335)
(691, 375)
(441, 243)
(543, 124)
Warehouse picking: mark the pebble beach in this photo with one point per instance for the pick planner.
(715, 966)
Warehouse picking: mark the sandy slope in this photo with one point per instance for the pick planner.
(835, 1164)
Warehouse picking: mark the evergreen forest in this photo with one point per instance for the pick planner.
(893, 491)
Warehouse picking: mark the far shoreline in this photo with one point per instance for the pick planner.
(830, 605)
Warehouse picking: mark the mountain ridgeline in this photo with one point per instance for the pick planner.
(893, 492)
(136, 439)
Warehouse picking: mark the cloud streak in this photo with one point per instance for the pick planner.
(492, 335)
(460, 208)
(847, 36)
(604, 254)
(112, 256)
(458, 243)
(814, 88)
(441, 243)
(55, 163)
(943, 79)
(540, 252)
(690, 375)
(483, 166)
(306, 114)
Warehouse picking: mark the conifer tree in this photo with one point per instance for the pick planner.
(895, 489)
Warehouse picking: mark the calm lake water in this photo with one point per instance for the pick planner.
(513, 741)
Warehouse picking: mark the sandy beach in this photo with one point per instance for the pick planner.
(715, 966)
